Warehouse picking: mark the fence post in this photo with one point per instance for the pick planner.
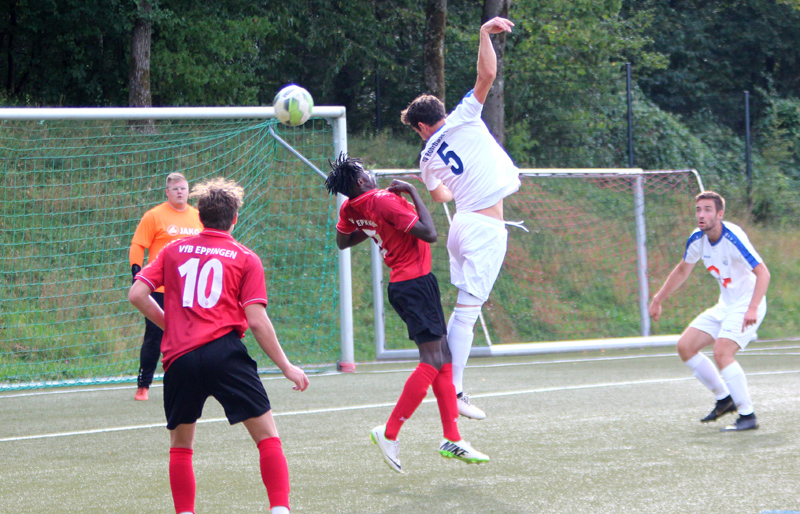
(630, 113)
(748, 154)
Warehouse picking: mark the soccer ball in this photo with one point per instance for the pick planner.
(293, 105)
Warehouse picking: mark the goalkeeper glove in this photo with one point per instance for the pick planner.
(135, 269)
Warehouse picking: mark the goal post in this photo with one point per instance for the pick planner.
(599, 240)
(76, 181)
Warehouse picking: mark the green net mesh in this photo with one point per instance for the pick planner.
(72, 195)
(574, 275)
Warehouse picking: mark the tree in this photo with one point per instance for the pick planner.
(719, 49)
(433, 53)
(64, 52)
(139, 67)
(494, 108)
(565, 87)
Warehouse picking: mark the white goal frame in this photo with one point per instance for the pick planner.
(334, 115)
(531, 348)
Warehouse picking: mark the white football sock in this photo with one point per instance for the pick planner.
(460, 334)
(737, 382)
(279, 510)
(707, 374)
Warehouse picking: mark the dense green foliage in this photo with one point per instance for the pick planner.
(565, 81)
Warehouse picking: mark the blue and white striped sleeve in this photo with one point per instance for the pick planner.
(694, 247)
(746, 250)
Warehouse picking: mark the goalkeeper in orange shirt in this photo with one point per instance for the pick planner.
(173, 219)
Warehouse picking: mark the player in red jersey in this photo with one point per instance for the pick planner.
(213, 291)
(403, 236)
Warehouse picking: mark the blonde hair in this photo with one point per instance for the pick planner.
(218, 202)
(175, 177)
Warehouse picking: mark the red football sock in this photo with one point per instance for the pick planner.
(181, 479)
(413, 393)
(445, 393)
(274, 471)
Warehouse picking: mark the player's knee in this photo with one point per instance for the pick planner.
(447, 357)
(725, 352)
(431, 353)
(467, 316)
(685, 350)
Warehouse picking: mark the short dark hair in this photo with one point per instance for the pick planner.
(425, 109)
(218, 202)
(719, 202)
(343, 177)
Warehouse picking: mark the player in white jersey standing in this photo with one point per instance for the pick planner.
(462, 161)
(732, 323)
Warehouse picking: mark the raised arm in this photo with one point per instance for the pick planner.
(673, 282)
(487, 59)
(424, 227)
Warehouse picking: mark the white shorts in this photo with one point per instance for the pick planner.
(721, 321)
(477, 246)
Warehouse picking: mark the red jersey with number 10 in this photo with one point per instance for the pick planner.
(387, 218)
(208, 279)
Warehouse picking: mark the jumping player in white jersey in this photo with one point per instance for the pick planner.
(462, 161)
(732, 323)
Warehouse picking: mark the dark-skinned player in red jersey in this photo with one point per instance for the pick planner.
(403, 235)
(213, 292)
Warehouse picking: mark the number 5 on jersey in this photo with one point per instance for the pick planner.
(457, 167)
(198, 284)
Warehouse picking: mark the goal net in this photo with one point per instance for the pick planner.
(582, 277)
(72, 195)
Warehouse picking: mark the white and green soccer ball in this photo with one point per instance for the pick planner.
(293, 105)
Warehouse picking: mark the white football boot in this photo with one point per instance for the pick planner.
(466, 409)
(462, 451)
(389, 449)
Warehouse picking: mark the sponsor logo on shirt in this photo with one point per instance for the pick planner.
(173, 231)
(715, 273)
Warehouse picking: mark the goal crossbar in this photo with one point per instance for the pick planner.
(154, 113)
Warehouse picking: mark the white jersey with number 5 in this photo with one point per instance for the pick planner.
(466, 157)
(730, 260)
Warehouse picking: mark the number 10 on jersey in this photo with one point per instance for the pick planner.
(197, 284)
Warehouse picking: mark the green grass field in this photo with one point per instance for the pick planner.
(601, 432)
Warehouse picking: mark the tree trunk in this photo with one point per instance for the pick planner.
(494, 108)
(139, 72)
(433, 47)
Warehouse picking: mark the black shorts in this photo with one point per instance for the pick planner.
(222, 369)
(419, 304)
